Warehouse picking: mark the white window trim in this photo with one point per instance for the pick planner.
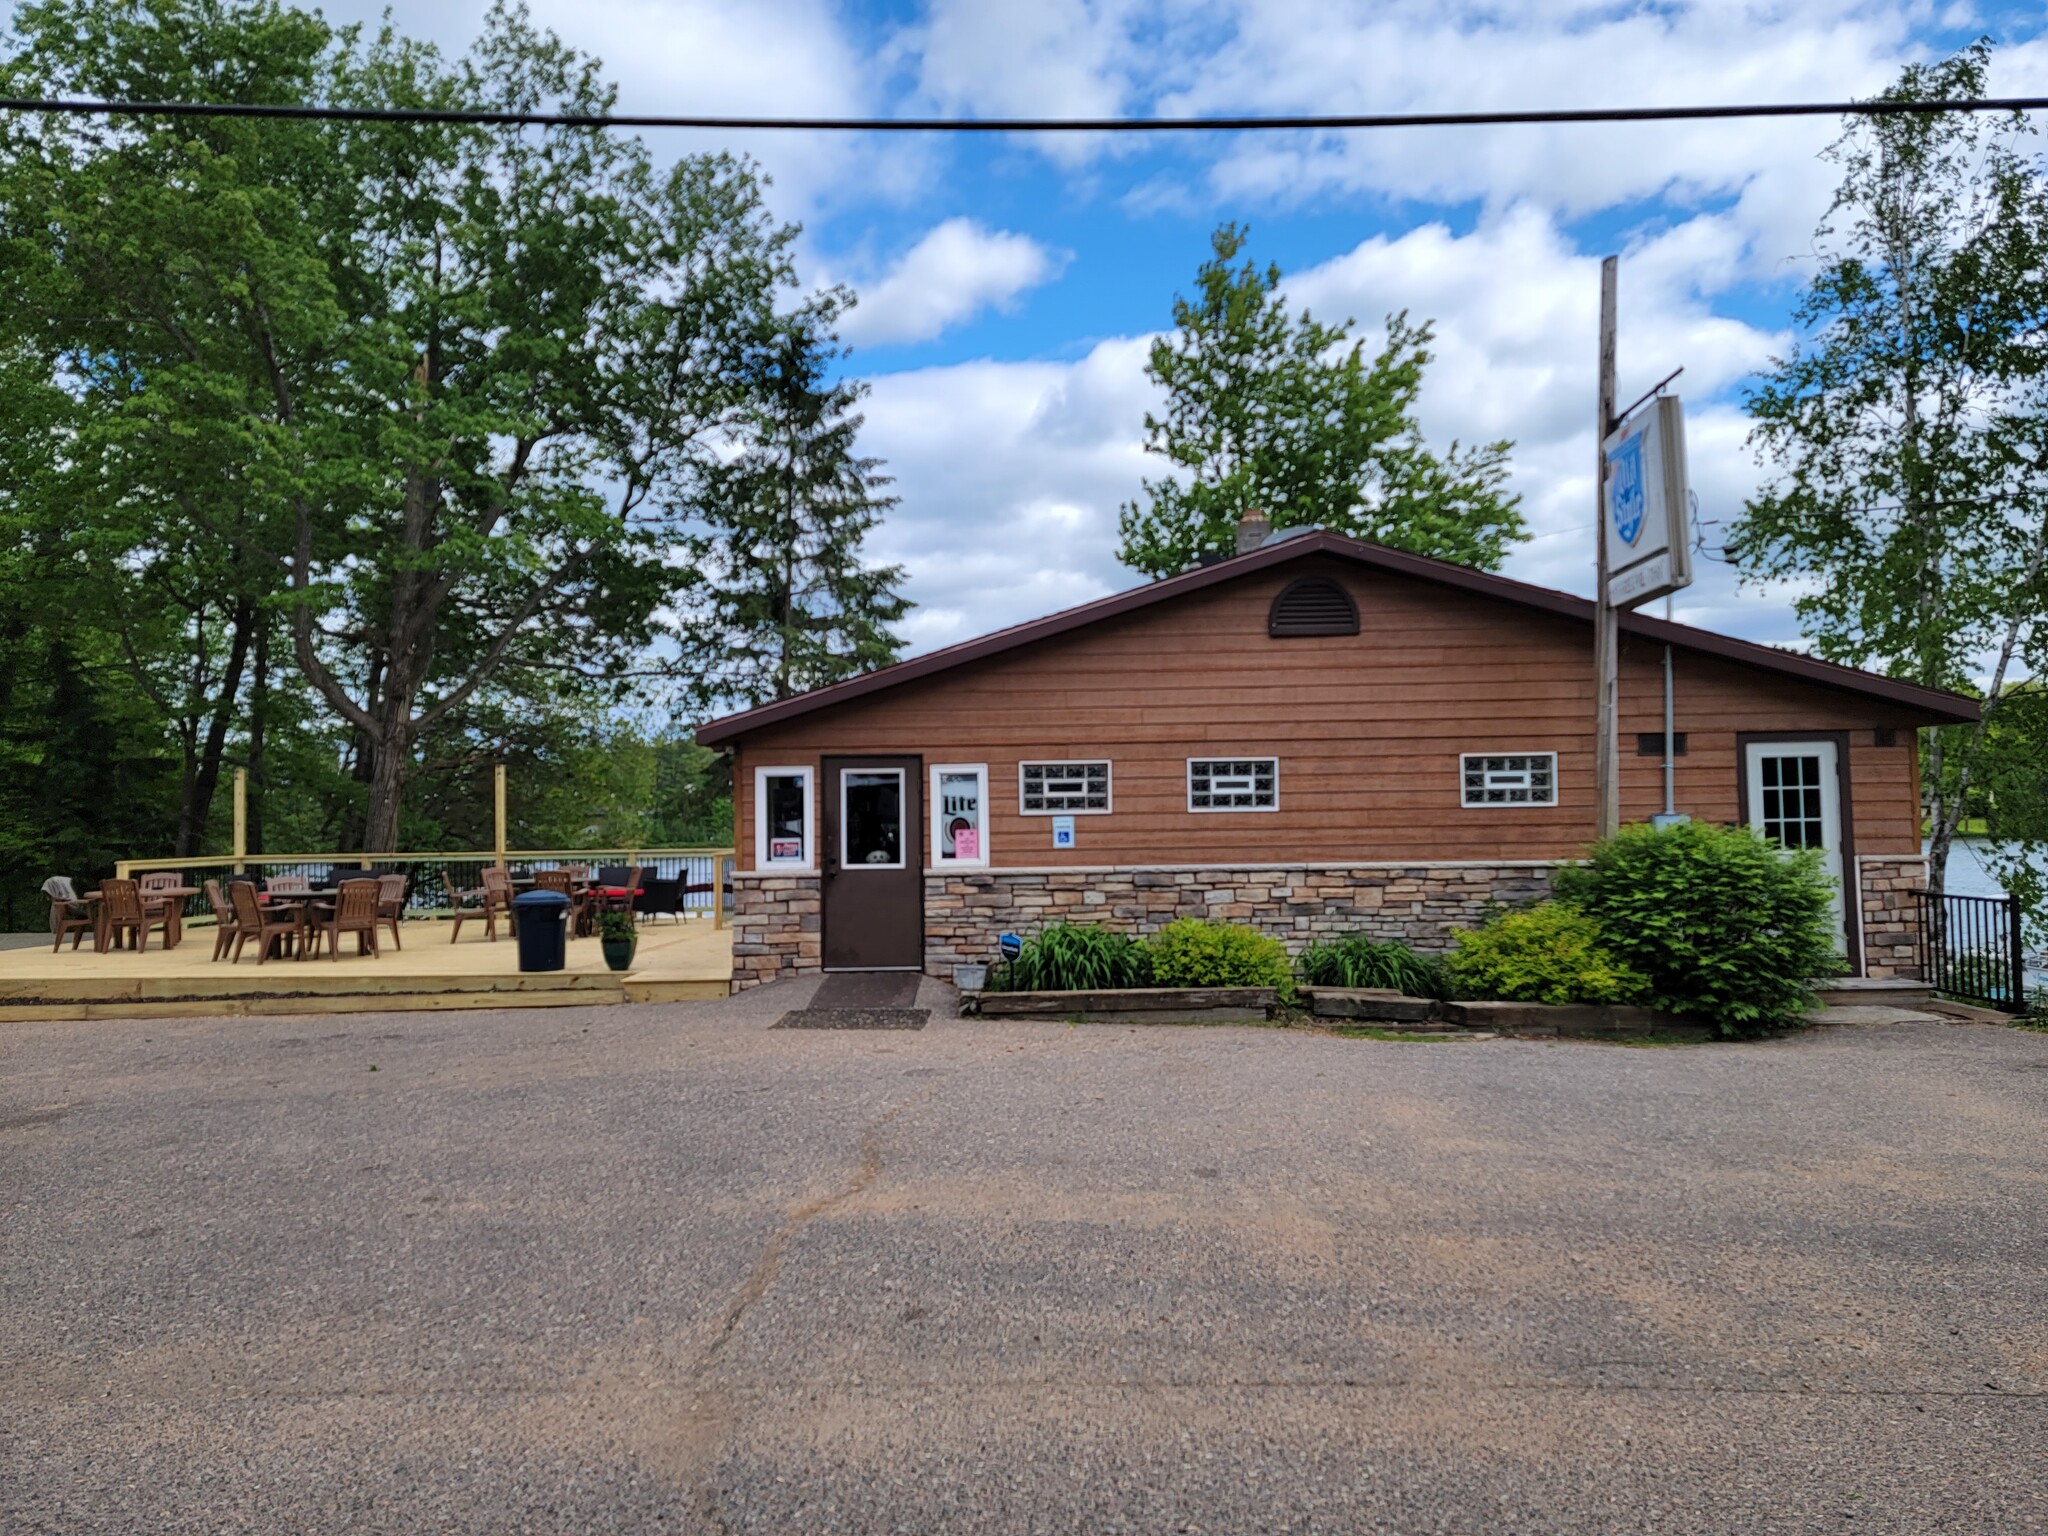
(1556, 788)
(1232, 810)
(902, 829)
(1108, 784)
(808, 865)
(938, 842)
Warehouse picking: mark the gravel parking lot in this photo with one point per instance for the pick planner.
(663, 1269)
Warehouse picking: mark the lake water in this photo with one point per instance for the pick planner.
(1970, 874)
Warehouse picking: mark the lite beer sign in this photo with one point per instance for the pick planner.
(1649, 548)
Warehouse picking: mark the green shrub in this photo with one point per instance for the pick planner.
(1070, 957)
(1357, 960)
(1192, 953)
(1548, 953)
(1726, 925)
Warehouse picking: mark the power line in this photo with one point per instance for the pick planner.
(1881, 107)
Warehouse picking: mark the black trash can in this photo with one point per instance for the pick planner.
(541, 919)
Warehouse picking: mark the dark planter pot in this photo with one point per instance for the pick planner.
(618, 953)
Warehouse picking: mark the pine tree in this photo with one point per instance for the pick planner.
(790, 603)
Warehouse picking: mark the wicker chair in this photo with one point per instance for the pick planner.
(122, 909)
(391, 904)
(225, 923)
(354, 911)
(266, 925)
(68, 913)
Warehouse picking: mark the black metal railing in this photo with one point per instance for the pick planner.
(1970, 949)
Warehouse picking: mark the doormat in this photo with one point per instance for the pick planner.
(867, 989)
(853, 1018)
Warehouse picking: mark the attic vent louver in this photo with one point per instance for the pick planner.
(1313, 605)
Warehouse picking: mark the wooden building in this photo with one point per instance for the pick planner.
(1317, 736)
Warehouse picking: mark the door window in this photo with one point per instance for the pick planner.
(1791, 809)
(871, 818)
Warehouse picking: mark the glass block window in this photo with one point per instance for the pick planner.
(1233, 783)
(1063, 789)
(1510, 778)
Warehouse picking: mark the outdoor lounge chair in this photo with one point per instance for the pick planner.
(354, 910)
(391, 903)
(659, 895)
(68, 912)
(253, 920)
(225, 923)
(467, 904)
(122, 909)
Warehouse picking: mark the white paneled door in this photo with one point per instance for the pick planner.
(1795, 796)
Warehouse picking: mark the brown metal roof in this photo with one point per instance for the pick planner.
(1937, 705)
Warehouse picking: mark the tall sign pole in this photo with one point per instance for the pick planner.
(1606, 751)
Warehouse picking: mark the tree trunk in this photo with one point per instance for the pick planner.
(202, 776)
(259, 716)
(388, 760)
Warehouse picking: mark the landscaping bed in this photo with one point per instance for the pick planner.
(1130, 1004)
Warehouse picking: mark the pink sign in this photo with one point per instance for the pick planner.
(967, 843)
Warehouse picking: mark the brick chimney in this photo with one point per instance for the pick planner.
(1252, 529)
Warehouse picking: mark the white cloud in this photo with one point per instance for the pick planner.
(1012, 474)
(957, 270)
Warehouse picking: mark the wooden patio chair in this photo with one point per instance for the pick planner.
(498, 894)
(288, 885)
(122, 909)
(354, 911)
(266, 925)
(391, 904)
(225, 923)
(560, 881)
(468, 904)
(69, 913)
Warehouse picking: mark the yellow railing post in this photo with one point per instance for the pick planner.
(241, 819)
(718, 890)
(498, 784)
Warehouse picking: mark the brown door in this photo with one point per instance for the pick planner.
(873, 865)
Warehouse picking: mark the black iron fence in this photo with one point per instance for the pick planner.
(1970, 949)
(697, 880)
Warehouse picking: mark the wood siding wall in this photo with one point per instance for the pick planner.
(1368, 730)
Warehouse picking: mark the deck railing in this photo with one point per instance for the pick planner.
(1970, 948)
(707, 869)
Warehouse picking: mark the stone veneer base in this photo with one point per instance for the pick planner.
(777, 930)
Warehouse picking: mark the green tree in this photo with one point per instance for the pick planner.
(1270, 412)
(790, 604)
(1908, 427)
(451, 390)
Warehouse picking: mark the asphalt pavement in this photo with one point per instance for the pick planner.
(662, 1268)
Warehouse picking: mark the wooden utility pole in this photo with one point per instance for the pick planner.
(1606, 750)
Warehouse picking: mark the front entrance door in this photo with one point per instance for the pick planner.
(1795, 796)
(873, 864)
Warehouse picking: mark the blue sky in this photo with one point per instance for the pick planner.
(1010, 286)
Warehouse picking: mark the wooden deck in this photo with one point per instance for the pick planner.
(676, 961)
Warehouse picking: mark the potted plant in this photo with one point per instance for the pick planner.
(617, 936)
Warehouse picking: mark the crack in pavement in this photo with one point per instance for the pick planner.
(708, 1420)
